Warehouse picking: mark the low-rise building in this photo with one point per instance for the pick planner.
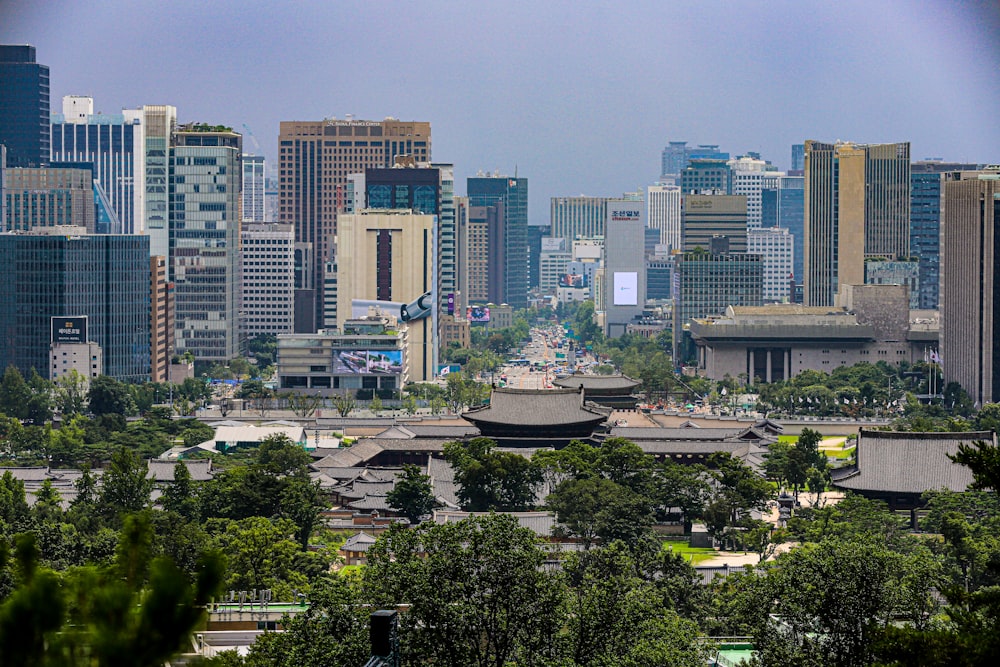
(370, 355)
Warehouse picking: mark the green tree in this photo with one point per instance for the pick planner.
(110, 396)
(344, 404)
(492, 480)
(39, 407)
(302, 405)
(14, 394)
(260, 554)
(412, 494)
(180, 495)
(332, 630)
(375, 405)
(409, 404)
(71, 394)
(125, 486)
(477, 591)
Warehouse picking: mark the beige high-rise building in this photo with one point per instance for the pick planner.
(390, 256)
(970, 295)
(857, 206)
(161, 319)
(315, 159)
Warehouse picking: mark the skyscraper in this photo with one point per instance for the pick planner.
(663, 212)
(427, 189)
(572, 217)
(970, 296)
(315, 159)
(624, 265)
(677, 154)
(513, 194)
(49, 197)
(388, 255)
(24, 107)
(159, 122)
(775, 247)
(926, 190)
(749, 177)
(712, 216)
(267, 252)
(62, 271)
(114, 144)
(205, 177)
(798, 157)
(705, 175)
(857, 206)
(253, 188)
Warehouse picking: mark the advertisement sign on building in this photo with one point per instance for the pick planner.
(626, 284)
(553, 244)
(69, 329)
(478, 314)
(368, 362)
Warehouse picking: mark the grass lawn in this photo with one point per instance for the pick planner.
(693, 555)
(790, 439)
(350, 570)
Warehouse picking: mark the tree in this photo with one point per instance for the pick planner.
(39, 407)
(125, 486)
(412, 494)
(260, 554)
(478, 593)
(409, 404)
(303, 405)
(332, 630)
(14, 394)
(375, 405)
(180, 496)
(738, 490)
(344, 404)
(492, 480)
(983, 459)
(104, 615)
(71, 394)
(110, 396)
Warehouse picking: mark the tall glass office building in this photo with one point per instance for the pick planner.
(513, 194)
(205, 178)
(114, 144)
(105, 277)
(24, 107)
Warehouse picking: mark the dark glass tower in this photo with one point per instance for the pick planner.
(105, 277)
(24, 107)
(513, 194)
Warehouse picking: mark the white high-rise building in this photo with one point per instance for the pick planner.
(268, 278)
(158, 122)
(253, 188)
(750, 176)
(552, 263)
(663, 212)
(775, 246)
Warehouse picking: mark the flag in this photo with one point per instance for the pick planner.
(445, 371)
(724, 392)
(935, 357)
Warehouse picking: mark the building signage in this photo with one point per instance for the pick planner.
(625, 211)
(626, 285)
(69, 329)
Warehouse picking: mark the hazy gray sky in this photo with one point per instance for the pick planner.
(579, 97)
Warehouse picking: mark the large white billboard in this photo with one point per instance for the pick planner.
(626, 285)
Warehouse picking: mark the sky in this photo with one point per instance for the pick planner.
(579, 97)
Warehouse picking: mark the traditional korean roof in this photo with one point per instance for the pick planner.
(692, 432)
(596, 384)
(412, 430)
(163, 471)
(910, 463)
(536, 413)
(358, 542)
(541, 523)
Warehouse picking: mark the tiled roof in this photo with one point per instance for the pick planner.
(358, 542)
(535, 407)
(370, 502)
(899, 462)
(541, 523)
(412, 430)
(596, 383)
(163, 471)
(684, 433)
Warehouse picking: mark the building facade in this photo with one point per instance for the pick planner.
(776, 249)
(315, 159)
(970, 297)
(572, 217)
(115, 145)
(712, 216)
(205, 177)
(926, 189)
(24, 106)
(624, 265)
(390, 256)
(707, 176)
(663, 212)
(513, 248)
(857, 206)
(254, 167)
(62, 271)
(161, 319)
(267, 252)
(49, 197)
(677, 154)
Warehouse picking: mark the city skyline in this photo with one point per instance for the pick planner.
(577, 99)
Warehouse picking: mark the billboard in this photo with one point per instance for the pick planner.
(553, 244)
(367, 362)
(478, 314)
(626, 285)
(69, 329)
(572, 280)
